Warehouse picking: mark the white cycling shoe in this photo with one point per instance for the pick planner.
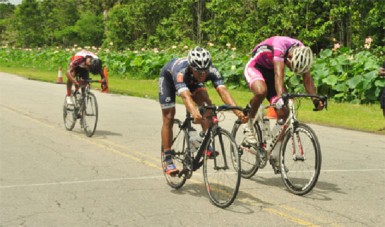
(249, 134)
(69, 100)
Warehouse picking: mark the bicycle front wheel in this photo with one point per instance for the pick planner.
(69, 115)
(222, 173)
(300, 159)
(179, 145)
(249, 159)
(90, 115)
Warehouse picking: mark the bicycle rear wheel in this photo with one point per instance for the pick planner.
(222, 173)
(249, 158)
(179, 145)
(300, 159)
(90, 115)
(69, 115)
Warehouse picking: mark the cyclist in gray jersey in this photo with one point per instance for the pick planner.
(186, 77)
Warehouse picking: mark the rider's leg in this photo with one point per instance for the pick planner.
(168, 120)
(166, 134)
(259, 89)
(69, 83)
(201, 97)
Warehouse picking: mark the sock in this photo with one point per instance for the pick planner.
(168, 156)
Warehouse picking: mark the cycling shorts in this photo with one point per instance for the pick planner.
(254, 71)
(81, 73)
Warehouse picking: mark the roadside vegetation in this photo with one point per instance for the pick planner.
(353, 97)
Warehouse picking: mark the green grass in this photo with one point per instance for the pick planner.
(366, 118)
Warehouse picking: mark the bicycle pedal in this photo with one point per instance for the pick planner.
(174, 174)
(185, 172)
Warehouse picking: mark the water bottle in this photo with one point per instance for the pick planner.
(195, 140)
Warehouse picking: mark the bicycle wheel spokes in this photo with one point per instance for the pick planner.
(68, 115)
(179, 146)
(90, 115)
(249, 161)
(222, 173)
(300, 160)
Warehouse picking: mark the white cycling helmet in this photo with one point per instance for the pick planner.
(199, 58)
(301, 60)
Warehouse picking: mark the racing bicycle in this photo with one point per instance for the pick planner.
(222, 172)
(298, 157)
(84, 108)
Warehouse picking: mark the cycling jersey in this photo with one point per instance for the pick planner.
(78, 60)
(77, 63)
(280, 45)
(175, 77)
(261, 64)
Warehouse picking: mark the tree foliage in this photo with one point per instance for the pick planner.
(161, 23)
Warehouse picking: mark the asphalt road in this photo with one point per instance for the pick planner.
(53, 177)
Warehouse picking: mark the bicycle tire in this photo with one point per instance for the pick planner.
(222, 174)
(249, 158)
(90, 114)
(69, 115)
(179, 145)
(300, 172)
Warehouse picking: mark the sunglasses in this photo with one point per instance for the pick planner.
(200, 71)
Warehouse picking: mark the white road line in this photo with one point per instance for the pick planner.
(80, 182)
(153, 177)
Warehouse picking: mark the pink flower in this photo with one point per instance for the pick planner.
(368, 41)
(336, 46)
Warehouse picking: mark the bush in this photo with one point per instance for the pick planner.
(345, 75)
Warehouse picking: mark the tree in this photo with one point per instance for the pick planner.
(6, 13)
(60, 18)
(28, 19)
(89, 30)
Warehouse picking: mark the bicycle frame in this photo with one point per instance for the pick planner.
(84, 90)
(290, 123)
(196, 160)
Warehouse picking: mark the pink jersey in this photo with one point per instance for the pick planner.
(279, 44)
(264, 55)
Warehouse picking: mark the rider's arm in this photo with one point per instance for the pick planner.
(227, 99)
(279, 70)
(309, 84)
(190, 106)
(311, 89)
(71, 75)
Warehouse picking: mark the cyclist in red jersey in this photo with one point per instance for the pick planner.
(81, 64)
(186, 77)
(264, 74)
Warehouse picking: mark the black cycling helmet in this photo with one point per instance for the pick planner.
(199, 58)
(96, 65)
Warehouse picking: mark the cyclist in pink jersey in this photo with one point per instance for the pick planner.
(264, 74)
(80, 65)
